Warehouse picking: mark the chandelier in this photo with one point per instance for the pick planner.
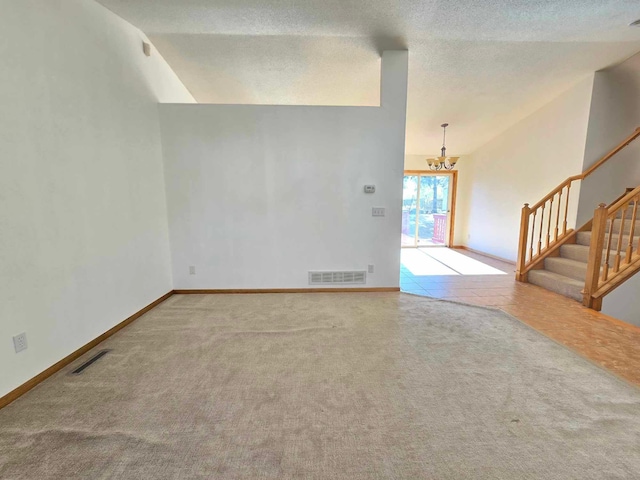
(442, 162)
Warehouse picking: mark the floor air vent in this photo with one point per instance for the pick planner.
(88, 363)
(337, 278)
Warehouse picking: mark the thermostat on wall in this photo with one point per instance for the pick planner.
(369, 189)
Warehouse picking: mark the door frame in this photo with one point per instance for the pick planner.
(453, 192)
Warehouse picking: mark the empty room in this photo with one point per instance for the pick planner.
(319, 240)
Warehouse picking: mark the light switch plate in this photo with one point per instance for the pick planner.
(377, 211)
(369, 189)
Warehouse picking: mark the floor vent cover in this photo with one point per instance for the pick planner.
(88, 363)
(339, 278)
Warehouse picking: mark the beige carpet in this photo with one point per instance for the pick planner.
(325, 386)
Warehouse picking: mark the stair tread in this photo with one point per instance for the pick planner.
(575, 251)
(581, 253)
(566, 267)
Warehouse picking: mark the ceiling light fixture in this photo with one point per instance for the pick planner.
(443, 162)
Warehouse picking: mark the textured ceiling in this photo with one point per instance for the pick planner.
(480, 65)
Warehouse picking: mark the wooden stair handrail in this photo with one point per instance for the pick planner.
(555, 191)
(589, 170)
(604, 159)
(625, 199)
(528, 257)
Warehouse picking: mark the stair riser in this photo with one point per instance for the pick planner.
(627, 226)
(584, 238)
(566, 290)
(581, 255)
(577, 272)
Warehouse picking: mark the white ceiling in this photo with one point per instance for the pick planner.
(480, 65)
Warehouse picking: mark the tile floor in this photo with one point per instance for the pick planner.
(467, 277)
(457, 275)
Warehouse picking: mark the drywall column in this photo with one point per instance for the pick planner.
(393, 87)
(260, 195)
(393, 99)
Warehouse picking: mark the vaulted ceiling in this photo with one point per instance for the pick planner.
(480, 65)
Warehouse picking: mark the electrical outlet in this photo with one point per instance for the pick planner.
(192, 270)
(370, 269)
(20, 342)
(377, 212)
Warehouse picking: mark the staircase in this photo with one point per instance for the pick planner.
(584, 264)
(566, 273)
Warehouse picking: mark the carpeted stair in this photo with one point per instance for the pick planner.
(567, 273)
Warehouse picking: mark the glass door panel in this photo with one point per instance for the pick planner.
(427, 207)
(426, 210)
(409, 210)
(433, 216)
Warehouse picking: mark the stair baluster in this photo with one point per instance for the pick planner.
(555, 231)
(616, 262)
(540, 232)
(566, 210)
(607, 252)
(549, 222)
(634, 216)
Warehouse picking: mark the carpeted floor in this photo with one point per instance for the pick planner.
(325, 386)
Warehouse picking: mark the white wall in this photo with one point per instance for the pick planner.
(84, 239)
(521, 166)
(615, 114)
(260, 195)
(418, 162)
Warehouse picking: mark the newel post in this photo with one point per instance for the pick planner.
(521, 275)
(598, 231)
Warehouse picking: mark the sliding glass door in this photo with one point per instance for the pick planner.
(426, 209)
(409, 210)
